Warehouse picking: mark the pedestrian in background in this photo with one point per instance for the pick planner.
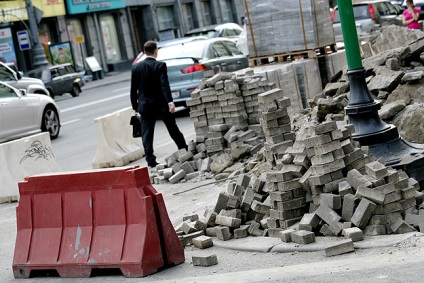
(411, 15)
(151, 98)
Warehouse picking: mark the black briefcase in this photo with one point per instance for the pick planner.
(136, 124)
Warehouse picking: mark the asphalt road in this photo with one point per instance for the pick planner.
(76, 145)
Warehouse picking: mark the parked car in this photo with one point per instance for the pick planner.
(59, 79)
(186, 63)
(22, 114)
(229, 30)
(171, 42)
(369, 15)
(12, 77)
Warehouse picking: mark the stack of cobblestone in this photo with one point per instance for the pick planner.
(325, 185)
(275, 123)
(251, 86)
(223, 147)
(216, 101)
(226, 99)
(240, 211)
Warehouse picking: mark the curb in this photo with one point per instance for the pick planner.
(106, 81)
(274, 245)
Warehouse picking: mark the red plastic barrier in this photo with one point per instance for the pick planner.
(79, 221)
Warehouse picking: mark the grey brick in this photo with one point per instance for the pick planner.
(371, 194)
(401, 227)
(177, 177)
(188, 228)
(363, 213)
(204, 260)
(341, 247)
(414, 219)
(302, 237)
(202, 242)
(355, 234)
(243, 180)
(331, 200)
(325, 127)
(375, 230)
(221, 202)
(228, 221)
(270, 96)
(188, 239)
(285, 235)
(356, 179)
(327, 214)
(210, 231)
(186, 166)
(223, 233)
(241, 232)
(344, 188)
(376, 170)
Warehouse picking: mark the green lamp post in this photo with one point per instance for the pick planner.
(383, 139)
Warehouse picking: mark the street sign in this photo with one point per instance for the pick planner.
(23, 38)
(38, 14)
(79, 39)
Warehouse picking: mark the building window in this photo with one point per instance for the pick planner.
(188, 15)
(165, 17)
(227, 14)
(206, 12)
(110, 38)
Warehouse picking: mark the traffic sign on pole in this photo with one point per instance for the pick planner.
(23, 38)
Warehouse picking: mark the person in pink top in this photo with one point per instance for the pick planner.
(411, 15)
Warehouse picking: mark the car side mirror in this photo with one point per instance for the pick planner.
(23, 92)
(20, 74)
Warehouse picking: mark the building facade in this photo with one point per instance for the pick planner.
(111, 31)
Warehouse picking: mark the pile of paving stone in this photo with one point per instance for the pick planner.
(229, 126)
(196, 163)
(325, 185)
(226, 98)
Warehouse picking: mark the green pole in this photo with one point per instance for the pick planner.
(350, 36)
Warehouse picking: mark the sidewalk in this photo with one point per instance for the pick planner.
(109, 79)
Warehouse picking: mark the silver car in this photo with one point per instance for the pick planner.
(369, 15)
(23, 114)
(17, 80)
(228, 30)
(186, 63)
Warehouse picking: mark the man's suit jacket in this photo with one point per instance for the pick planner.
(150, 91)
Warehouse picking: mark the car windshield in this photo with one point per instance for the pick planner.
(6, 75)
(192, 49)
(360, 12)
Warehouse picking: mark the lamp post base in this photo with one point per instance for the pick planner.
(383, 139)
(401, 154)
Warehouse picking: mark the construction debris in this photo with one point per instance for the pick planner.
(296, 177)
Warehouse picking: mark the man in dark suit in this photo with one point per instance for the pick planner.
(151, 97)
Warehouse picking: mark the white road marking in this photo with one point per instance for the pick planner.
(96, 102)
(123, 88)
(70, 122)
(172, 142)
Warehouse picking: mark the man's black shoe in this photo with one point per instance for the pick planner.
(153, 164)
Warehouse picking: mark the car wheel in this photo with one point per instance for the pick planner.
(75, 90)
(50, 122)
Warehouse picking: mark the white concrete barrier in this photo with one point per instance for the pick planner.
(116, 146)
(24, 157)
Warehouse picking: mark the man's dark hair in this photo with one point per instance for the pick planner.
(150, 47)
